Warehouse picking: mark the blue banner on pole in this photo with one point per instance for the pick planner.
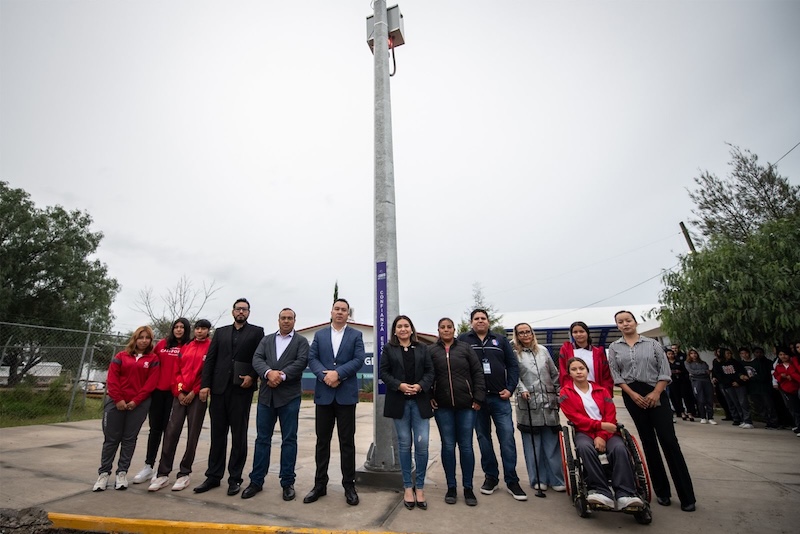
(382, 327)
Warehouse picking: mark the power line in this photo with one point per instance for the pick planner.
(609, 297)
(790, 151)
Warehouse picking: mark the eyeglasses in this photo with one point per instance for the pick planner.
(240, 309)
(525, 333)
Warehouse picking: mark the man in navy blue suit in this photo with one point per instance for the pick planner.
(335, 356)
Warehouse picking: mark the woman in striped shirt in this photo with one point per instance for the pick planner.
(640, 368)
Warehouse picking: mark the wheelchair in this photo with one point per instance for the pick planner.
(575, 479)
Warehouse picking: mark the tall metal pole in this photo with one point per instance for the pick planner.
(382, 455)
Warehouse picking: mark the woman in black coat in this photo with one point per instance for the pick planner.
(407, 371)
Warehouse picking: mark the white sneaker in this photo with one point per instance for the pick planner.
(560, 488)
(182, 483)
(144, 475)
(712, 422)
(747, 426)
(157, 483)
(122, 481)
(602, 500)
(703, 421)
(102, 482)
(542, 487)
(741, 425)
(629, 502)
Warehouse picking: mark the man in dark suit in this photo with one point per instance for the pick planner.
(229, 379)
(280, 360)
(336, 355)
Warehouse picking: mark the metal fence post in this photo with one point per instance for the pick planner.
(80, 366)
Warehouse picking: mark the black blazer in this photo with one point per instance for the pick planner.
(219, 365)
(292, 363)
(393, 374)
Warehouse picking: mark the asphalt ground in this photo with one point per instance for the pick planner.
(745, 481)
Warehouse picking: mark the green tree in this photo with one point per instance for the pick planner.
(733, 293)
(50, 276)
(479, 301)
(736, 206)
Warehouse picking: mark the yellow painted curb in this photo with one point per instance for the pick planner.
(155, 526)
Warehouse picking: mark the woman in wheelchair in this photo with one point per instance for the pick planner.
(591, 410)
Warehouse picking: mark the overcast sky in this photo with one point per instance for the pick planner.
(542, 149)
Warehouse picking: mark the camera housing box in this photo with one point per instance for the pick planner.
(394, 20)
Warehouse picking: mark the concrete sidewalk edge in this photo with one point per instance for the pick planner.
(154, 526)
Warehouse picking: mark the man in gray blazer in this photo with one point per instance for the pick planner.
(335, 357)
(279, 360)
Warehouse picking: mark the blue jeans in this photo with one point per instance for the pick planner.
(499, 410)
(265, 423)
(413, 424)
(455, 426)
(548, 453)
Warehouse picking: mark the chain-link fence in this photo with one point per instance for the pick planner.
(52, 374)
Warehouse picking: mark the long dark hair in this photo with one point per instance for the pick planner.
(172, 341)
(393, 339)
(586, 328)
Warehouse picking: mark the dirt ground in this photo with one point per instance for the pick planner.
(30, 521)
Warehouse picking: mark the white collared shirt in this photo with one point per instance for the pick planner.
(336, 339)
(281, 342)
(591, 407)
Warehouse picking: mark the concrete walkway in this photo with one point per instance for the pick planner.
(745, 481)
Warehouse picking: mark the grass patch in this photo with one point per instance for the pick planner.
(24, 405)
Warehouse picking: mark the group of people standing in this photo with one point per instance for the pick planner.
(465, 383)
(176, 379)
(751, 383)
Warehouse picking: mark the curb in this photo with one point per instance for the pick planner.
(155, 526)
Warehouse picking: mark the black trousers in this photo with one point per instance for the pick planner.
(344, 417)
(230, 411)
(655, 426)
(160, 408)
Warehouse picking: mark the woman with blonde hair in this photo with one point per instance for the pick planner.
(132, 376)
(537, 410)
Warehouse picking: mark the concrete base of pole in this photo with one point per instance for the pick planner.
(379, 479)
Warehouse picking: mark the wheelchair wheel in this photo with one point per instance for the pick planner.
(568, 462)
(582, 506)
(645, 517)
(639, 466)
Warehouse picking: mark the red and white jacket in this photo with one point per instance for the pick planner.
(168, 360)
(788, 376)
(602, 372)
(189, 370)
(130, 379)
(573, 409)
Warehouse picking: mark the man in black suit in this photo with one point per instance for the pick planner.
(230, 381)
(280, 360)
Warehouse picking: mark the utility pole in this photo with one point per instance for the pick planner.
(688, 238)
(383, 455)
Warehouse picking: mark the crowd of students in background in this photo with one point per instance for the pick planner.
(751, 384)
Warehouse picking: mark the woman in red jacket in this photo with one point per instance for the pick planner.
(787, 373)
(132, 376)
(167, 351)
(591, 410)
(595, 357)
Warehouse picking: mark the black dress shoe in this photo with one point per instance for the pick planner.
(234, 488)
(207, 484)
(409, 504)
(315, 493)
(350, 495)
(422, 505)
(249, 491)
(663, 501)
(688, 507)
(288, 493)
